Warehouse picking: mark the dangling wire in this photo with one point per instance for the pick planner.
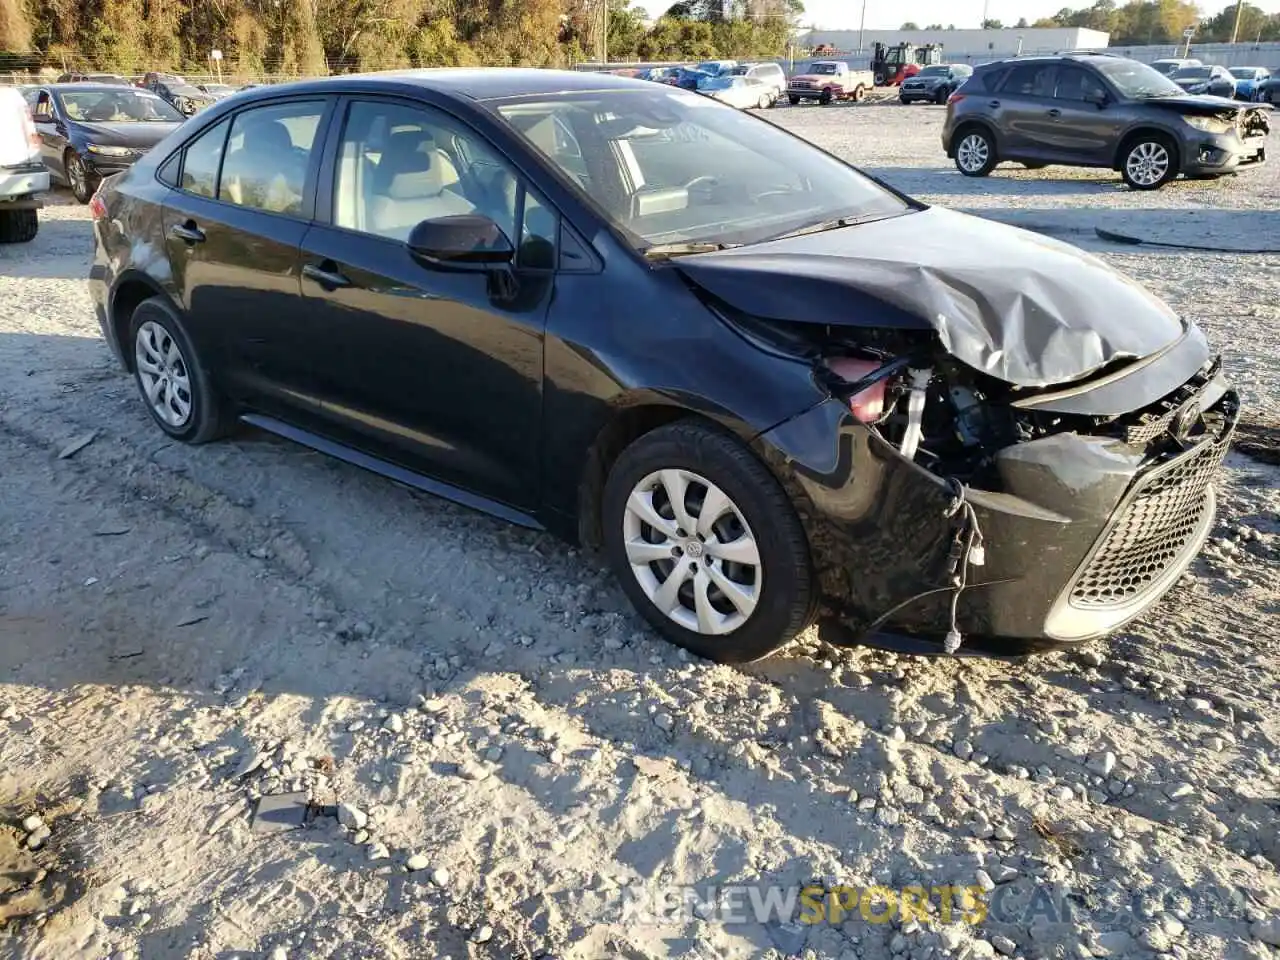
(966, 548)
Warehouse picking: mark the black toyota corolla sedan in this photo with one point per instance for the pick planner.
(772, 388)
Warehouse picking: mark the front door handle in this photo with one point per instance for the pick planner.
(993, 104)
(1055, 112)
(188, 232)
(326, 274)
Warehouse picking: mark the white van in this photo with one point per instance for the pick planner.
(23, 176)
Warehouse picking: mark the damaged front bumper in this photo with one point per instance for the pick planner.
(1084, 534)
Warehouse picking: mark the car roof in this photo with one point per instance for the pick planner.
(88, 85)
(476, 83)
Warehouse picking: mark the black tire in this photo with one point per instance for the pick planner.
(208, 417)
(794, 101)
(942, 96)
(966, 162)
(825, 97)
(1148, 141)
(18, 226)
(1032, 165)
(788, 602)
(82, 183)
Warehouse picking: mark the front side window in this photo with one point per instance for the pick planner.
(1075, 83)
(399, 165)
(203, 157)
(268, 154)
(666, 166)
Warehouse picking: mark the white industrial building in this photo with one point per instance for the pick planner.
(962, 43)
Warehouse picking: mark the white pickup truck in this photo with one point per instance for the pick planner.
(829, 80)
(23, 176)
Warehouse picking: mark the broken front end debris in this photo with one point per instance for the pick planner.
(998, 474)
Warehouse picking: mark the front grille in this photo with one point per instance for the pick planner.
(1156, 522)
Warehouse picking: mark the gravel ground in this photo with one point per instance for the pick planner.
(517, 764)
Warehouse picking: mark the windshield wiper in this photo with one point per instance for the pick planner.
(662, 251)
(826, 225)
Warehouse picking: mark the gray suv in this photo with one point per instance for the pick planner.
(1094, 110)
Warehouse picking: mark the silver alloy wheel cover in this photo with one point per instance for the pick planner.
(1147, 163)
(973, 152)
(699, 555)
(163, 374)
(76, 174)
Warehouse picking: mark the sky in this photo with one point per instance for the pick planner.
(891, 14)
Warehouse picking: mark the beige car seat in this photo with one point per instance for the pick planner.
(411, 184)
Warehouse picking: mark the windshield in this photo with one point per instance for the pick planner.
(720, 83)
(670, 167)
(117, 106)
(1245, 73)
(823, 68)
(1135, 79)
(216, 88)
(1191, 73)
(934, 71)
(711, 66)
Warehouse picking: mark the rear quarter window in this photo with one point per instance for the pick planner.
(987, 79)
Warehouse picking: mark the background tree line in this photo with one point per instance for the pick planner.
(1141, 22)
(262, 37)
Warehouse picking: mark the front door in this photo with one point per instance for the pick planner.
(232, 227)
(437, 370)
(1085, 122)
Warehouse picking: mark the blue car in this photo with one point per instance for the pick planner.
(1248, 79)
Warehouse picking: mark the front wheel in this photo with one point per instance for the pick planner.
(763, 102)
(18, 226)
(941, 96)
(825, 98)
(81, 181)
(706, 544)
(1148, 162)
(794, 101)
(975, 153)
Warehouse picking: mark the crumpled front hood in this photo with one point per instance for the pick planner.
(1022, 307)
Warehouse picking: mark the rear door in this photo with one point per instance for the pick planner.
(435, 370)
(1022, 108)
(244, 198)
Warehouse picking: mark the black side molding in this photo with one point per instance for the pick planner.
(390, 470)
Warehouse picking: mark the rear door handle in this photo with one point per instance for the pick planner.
(326, 274)
(188, 232)
(1055, 112)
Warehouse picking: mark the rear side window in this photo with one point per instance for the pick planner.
(988, 80)
(268, 154)
(203, 157)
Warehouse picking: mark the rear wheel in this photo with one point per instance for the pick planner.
(1148, 161)
(975, 152)
(173, 382)
(859, 93)
(706, 544)
(18, 226)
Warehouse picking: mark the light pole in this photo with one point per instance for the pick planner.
(862, 25)
(1236, 28)
(985, 5)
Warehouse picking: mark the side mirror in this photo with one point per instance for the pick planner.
(461, 242)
